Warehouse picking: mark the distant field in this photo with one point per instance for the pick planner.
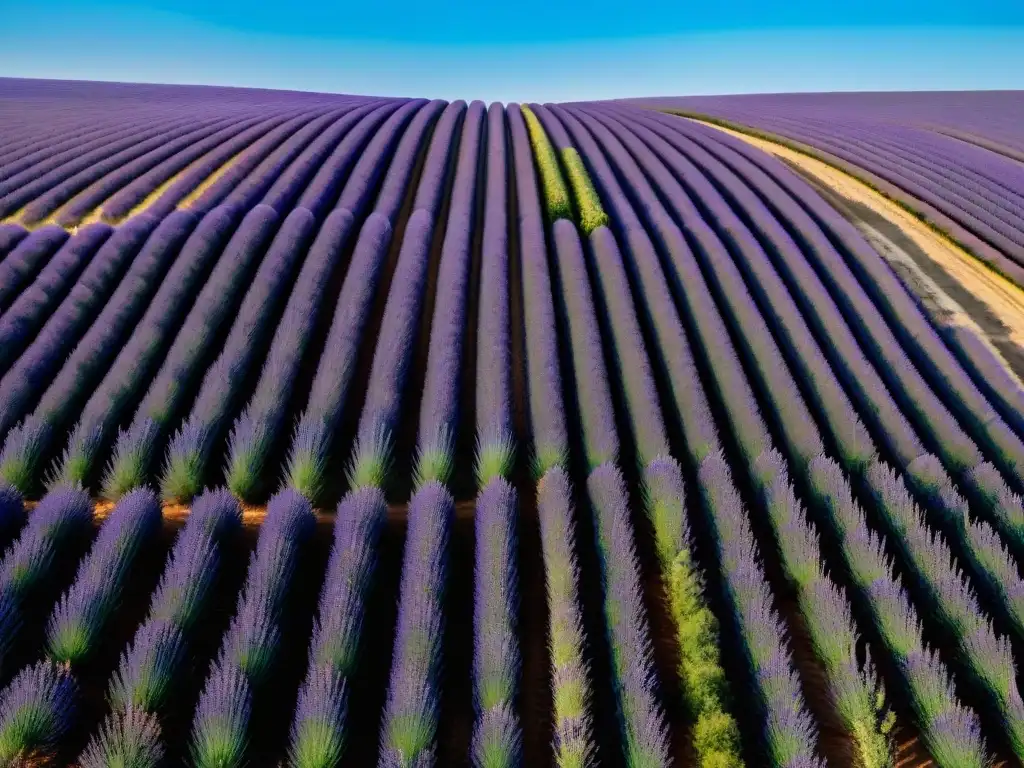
(341, 430)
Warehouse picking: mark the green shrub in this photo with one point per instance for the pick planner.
(588, 202)
(557, 202)
(716, 737)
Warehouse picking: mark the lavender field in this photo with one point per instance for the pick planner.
(350, 431)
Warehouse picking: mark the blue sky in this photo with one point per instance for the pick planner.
(534, 50)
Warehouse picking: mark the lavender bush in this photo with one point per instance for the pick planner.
(573, 737)
(439, 408)
(36, 710)
(318, 729)
(61, 515)
(494, 437)
(593, 393)
(26, 259)
(75, 626)
(640, 716)
(544, 383)
(102, 259)
(392, 357)
(409, 725)
(496, 734)
(788, 732)
(247, 652)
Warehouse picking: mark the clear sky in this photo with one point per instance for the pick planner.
(535, 50)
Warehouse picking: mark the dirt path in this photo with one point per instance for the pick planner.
(949, 280)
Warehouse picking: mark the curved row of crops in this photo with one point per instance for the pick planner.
(640, 453)
(955, 171)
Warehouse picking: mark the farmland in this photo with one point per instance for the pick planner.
(341, 430)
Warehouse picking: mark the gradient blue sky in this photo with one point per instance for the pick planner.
(539, 50)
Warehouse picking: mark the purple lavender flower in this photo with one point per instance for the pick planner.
(249, 188)
(22, 450)
(284, 192)
(592, 389)
(76, 623)
(135, 359)
(217, 512)
(440, 400)
(243, 172)
(630, 355)
(986, 485)
(53, 182)
(110, 321)
(219, 731)
(544, 382)
(573, 737)
(36, 709)
(954, 736)
(641, 718)
(437, 162)
(219, 727)
(337, 630)
(409, 727)
(10, 236)
(60, 515)
(899, 625)
(495, 443)
(49, 315)
(69, 203)
(671, 350)
(252, 639)
(146, 674)
(21, 264)
(789, 733)
(131, 738)
(393, 148)
(375, 120)
(318, 730)
(193, 564)
(318, 738)
(159, 192)
(496, 734)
